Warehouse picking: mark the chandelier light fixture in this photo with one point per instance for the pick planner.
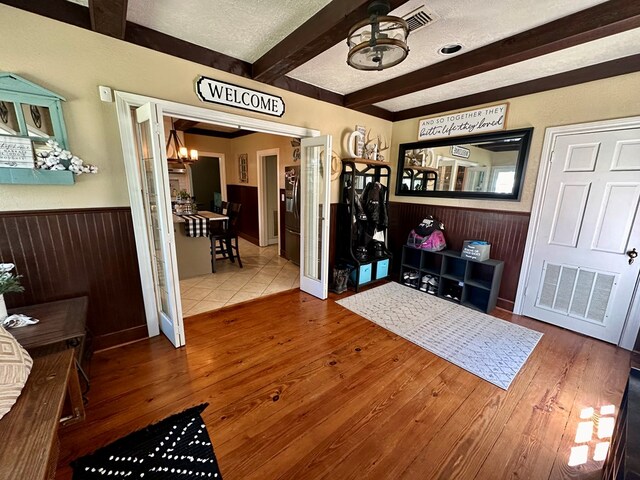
(378, 42)
(176, 151)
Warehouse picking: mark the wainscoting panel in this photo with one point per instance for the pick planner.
(70, 253)
(506, 231)
(247, 196)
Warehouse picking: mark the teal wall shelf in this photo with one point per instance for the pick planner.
(32, 176)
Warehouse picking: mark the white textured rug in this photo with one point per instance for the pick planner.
(492, 349)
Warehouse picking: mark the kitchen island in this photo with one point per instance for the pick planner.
(193, 253)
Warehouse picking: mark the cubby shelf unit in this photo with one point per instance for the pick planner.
(476, 283)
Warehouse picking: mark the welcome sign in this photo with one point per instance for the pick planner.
(222, 93)
(481, 120)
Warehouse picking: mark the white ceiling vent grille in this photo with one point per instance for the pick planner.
(419, 18)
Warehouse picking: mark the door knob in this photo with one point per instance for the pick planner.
(632, 254)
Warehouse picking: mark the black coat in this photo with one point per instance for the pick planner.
(374, 203)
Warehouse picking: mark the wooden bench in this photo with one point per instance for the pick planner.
(29, 432)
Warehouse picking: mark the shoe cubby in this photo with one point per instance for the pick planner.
(475, 284)
(453, 267)
(411, 258)
(450, 290)
(431, 263)
(476, 297)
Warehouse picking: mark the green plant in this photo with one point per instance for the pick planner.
(9, 282)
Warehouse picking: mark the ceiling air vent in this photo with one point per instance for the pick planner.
(419, 18)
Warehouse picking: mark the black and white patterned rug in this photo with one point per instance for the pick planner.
(492, 349)
(177, 447)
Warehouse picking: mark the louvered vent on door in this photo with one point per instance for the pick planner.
(575, 291)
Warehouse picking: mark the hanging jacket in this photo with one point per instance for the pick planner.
(374, 203)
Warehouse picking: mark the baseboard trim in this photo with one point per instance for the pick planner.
(121, 337)
(505, 304)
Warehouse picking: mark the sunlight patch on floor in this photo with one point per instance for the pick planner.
(600, 423)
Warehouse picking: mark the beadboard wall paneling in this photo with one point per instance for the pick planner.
(247, 196)
(69, 253)
(506, 231)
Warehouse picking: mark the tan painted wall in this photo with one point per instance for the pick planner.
(73, 62)
(249, 144)
(615, 97)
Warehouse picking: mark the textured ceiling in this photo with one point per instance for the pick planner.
(473, 23)
(247, 29)
(610, 48)
(244, 29)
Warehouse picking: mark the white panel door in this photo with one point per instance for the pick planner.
(315, 189)
(580, 276)
(154, 177)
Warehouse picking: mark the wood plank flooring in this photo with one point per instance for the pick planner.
(299, 388)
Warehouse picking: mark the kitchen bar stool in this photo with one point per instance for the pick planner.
(225, 241)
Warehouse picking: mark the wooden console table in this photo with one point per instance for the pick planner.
(62, 326)
(29, 446)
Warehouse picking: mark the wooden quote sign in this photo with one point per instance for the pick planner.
(16, 152)
(482, 120)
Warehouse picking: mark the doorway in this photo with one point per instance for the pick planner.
(206, 181)
(268, 201)
(126, 105)
(577, 272)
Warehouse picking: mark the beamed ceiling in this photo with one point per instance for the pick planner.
(509, 48)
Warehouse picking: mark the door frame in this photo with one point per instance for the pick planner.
(223, 171)
(125, 101)
(632, 322)
(263, 231)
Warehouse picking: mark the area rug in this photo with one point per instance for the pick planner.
(177, 447)
(492, 349)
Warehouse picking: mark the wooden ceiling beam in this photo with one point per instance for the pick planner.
(182, 125)
(62, 10)
(322, 31)
(109, 17)
(612, 68)
(608, 18)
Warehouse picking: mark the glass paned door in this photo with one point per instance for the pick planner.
(315, 184)
(157, 205)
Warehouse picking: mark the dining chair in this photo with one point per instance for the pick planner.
(225, 242)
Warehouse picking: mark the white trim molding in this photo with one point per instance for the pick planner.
(263, 231)
(125, 101)
(632, 324)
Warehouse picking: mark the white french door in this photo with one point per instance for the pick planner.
(156, 202)
(315, 189)
(580, 276)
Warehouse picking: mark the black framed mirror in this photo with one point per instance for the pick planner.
(486, 166)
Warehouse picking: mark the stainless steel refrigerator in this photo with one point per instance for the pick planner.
(292, 214)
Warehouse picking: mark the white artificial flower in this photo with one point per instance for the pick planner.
(6, 267)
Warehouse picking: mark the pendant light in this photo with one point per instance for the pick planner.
(378, 42)
(176, 151)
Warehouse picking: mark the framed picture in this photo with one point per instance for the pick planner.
(243, 161)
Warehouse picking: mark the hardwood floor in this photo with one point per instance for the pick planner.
(299, 388)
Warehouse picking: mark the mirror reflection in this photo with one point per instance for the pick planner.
(38, 120)
(8, 119)
(489, 165)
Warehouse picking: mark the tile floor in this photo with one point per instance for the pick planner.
(263, 273)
